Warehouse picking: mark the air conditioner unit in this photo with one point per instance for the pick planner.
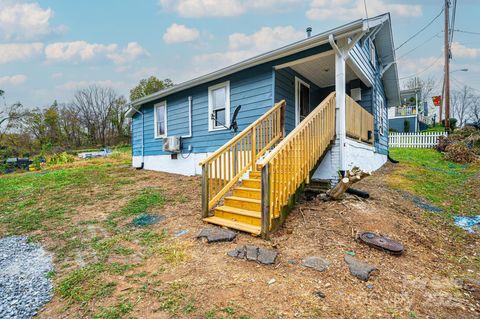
(171, 144)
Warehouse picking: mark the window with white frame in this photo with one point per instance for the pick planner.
(160, 119)
(373, 58)
(382, 118)
(219, 106)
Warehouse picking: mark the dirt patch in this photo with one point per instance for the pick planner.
(198, 280)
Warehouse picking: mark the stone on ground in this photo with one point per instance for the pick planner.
(358, 268)
(216, 235)
(24, 286)
(316, 263)
(253, 253)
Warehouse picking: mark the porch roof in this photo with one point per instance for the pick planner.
(313, 41)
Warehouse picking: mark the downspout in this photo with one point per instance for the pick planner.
(143, 144)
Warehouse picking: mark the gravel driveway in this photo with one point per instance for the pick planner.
(24, 286)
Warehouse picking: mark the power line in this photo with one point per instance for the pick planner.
(422, 29)
(427, 68)
(452, 24)
(419, 46)
(468, 32)
(464, 84)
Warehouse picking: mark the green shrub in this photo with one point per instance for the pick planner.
(61, 158)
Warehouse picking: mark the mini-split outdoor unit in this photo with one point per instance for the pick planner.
(171, 144)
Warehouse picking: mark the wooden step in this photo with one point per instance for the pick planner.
(251, 183)
(239, 215)
(255, 174)
(246, 192)
(255, 230)
(243, 203)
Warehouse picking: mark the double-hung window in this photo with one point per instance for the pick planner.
(219, 106)
(382, 119)
(160, 119)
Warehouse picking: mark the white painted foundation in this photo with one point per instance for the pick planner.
(164, 163)
(356, 154)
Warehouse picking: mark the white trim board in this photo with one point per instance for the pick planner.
(299, 81)
(225, 84)
(155, 133)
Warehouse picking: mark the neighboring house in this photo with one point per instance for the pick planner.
(312, 109)
(411, 114)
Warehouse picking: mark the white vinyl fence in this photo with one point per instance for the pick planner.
(414, 140)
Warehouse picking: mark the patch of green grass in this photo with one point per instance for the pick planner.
(148, 198)
(115, 312)
(427, 174)
(85, 284)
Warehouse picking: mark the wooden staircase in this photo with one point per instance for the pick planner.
(277, 166)
(242, 210)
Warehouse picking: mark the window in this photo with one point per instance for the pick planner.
(382, 118)
(219, 106)
(373, 58)
(160, 119)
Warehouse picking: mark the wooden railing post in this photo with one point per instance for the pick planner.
(205, 187)
(265, 201)
(254, 148)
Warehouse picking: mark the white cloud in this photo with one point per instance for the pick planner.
(82, 51)
(19, 52)
(177, 33)
(223, 8)
(265, 39)
(75, 85)
(355, 9)
(243, 46)
(13, 79)
(128, 54)
(77, 50)
(24, 21)
(427, 65)
(459, 50)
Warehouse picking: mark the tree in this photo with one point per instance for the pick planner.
(149, 86)
(463, 101)
(9, 115)
(427, 86)
(94, 105)
(474, 113)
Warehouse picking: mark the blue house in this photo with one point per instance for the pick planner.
(259, 130)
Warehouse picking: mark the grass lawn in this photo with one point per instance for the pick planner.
(451, 186)
(106, 268)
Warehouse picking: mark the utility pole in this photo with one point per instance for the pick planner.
(447, 68)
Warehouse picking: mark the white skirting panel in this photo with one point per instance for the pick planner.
(164, 163)
(356, 154)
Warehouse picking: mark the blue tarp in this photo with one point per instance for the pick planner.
(469, 223)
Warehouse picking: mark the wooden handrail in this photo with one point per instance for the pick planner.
(240, 135)
(359, 122)
(288, 166)
(222, 169)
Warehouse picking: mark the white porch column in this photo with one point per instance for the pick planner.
(340, 80)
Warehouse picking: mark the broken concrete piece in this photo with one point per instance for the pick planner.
(266, 256)
(215, 235)
(253, 253)
(358, 268)
(316, 263)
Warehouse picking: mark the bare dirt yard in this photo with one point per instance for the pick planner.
(107, 268)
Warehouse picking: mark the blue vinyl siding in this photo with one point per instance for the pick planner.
(371, 96)
(285, 90)
(252, 89)
(398, 124)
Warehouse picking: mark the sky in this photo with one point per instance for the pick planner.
(50, 48)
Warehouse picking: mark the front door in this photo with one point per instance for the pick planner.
(302, 100)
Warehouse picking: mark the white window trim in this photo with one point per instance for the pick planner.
(299, 81)
(225, 84)
(163, 103)
(373, 57)
(382, 117)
